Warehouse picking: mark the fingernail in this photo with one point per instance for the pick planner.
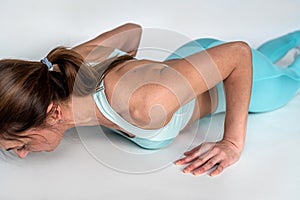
(213, 174)
(186, 170)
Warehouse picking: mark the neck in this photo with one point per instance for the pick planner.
(82, 111)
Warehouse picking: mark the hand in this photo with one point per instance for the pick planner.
(205, 156)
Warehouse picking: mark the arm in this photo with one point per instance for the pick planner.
(188, 78)
(125, 38)
(238, 90)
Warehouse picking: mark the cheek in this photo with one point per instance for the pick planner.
(46, 140)
(53, 139)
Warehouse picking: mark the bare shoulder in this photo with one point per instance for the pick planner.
(130, 85)
(126, 78)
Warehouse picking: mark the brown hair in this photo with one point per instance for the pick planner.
(28, 88)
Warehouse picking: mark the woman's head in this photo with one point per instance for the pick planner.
(31, 97)
(30, 94)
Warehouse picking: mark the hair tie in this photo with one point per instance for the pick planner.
(46, 62)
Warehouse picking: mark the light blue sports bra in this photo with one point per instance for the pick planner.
(150, 139)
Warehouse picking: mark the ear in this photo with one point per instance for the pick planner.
(56, 114)
(22, 153)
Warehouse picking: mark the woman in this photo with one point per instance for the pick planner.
(148, 102)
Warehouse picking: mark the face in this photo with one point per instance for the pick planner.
(38, 140)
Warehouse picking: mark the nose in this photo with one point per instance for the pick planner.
(21, 153)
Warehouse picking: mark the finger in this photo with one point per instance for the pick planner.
(201, 148)
(200, 161)
(219, 169)
(192, 151)
(208, 165)
(187, 159)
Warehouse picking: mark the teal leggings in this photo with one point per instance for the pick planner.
(273, 86)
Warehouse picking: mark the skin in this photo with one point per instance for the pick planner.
(230, 62)
(38, 139)
(195, 76)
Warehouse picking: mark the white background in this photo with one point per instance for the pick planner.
(31, 28)
(269, 167)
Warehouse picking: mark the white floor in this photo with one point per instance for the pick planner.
(92, 166)
(87, 166)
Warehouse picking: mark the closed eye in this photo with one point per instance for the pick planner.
(18, 148)
(22, 147)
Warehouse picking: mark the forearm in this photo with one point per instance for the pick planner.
(231, 63)
(238, 91)
(235, 68)
(125, 38)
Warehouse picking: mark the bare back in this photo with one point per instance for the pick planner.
(130, 83)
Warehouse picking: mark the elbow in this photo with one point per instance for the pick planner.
(133, 26)
(134, 29)
(243, 49)
(132, 33)
(244, 52)
(244, 64)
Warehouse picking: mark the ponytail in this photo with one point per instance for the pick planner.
(70, 75)
(27, 88)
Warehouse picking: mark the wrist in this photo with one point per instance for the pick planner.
(236, 135)
(239, 145)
